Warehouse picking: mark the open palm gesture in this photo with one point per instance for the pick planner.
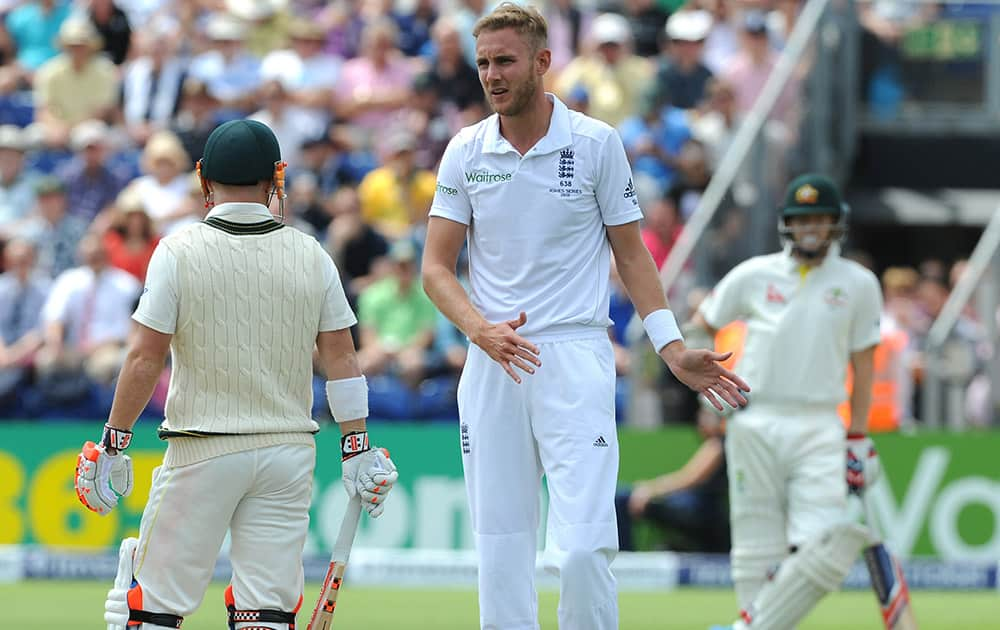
(701, 370)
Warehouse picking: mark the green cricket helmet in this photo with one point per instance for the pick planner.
(241, 153)
(812, 194)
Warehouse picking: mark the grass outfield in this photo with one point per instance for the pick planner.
(78, 605)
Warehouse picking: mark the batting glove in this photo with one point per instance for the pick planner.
(863, 467)
(367, 471)
(102, 479)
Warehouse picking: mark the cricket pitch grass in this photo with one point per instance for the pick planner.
(53, 605)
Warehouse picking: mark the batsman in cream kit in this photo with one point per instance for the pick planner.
(240, 301)
(543, 195)
(809, 314)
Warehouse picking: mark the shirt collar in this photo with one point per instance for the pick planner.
(792, 265)
(241, 212)
(558, 136)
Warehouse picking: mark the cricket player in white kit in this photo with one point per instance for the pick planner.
(809, 313)
(544, 195)
(241, 301)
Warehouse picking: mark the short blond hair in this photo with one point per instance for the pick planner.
(526, 20)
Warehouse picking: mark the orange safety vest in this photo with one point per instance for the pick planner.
(731, 338)
(886, 410)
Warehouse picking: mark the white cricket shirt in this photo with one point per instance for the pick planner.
(537, 238)
(95, 305)
(801, 330)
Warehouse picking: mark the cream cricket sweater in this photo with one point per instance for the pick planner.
(249, 303)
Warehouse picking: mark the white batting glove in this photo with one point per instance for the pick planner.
(102, 479)
(863, 466)
(367, 471)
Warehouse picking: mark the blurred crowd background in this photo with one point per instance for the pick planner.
(106, 105)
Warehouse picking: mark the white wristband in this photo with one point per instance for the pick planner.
(348, 398)
(661, 328)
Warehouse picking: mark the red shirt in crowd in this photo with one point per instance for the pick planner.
(122, 257)
(659, 248)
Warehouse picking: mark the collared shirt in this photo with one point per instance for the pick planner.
(801, 329)
(392, 204)
(162, 200)
(537, 237)
(684, 90)
(35, 31)
(74, 96)
(227, 79)
(152, 95)
(360, 76)
(293, 126)
(669, 133)
(90, 192)
(94, 308)
(398, 318)
(613, 91)
(21, 305)
(56, 243)
(158, 307)
(17, 199)
(302, 73)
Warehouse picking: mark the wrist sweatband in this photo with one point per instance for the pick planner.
(348, 398)
(118, 439)
(354, 443)
(661, 328)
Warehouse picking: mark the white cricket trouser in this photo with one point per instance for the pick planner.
(559, 421)
(262, 496)
(787, 485)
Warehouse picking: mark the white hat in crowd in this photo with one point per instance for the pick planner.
(610, 28)
(79, 31)
(87, 133)
(225, 28)
(11, 137)
(253, 10)
(689, 26)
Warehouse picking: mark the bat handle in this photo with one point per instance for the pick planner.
(321, 618)
(874, 526)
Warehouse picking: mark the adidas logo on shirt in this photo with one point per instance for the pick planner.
(629, 189)
(599, 442)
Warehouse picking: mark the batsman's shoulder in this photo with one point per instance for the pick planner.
(173, 240)
(858, 273)
(756, 265)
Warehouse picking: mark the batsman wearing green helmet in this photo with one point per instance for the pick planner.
(240, 301)
(809, 314)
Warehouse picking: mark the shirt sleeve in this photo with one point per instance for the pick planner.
(336, 313)
(368, 305)
(616, 194)
(159, 302)
(725, 303)
(451, 199)
(41, 85)
(866, 328)
(54, 309)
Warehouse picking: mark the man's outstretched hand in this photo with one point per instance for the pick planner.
(702, 371)
(502, 343)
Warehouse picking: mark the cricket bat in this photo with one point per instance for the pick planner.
(887, 579)
(322, 616)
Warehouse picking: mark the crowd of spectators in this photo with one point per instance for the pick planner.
(105, 106)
